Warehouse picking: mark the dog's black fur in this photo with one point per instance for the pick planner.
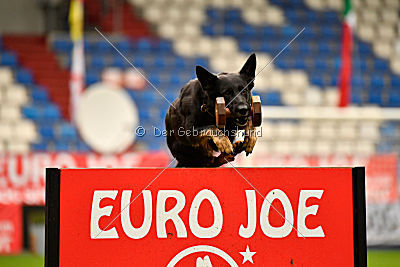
(196, 149)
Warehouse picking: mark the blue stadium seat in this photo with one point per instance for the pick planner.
(124, 46)
(320, 64)
(82, 146)
(268, 32)
(333, 79)
(180, 62)
(311, 16)
(62, 46)
(357, 81)
(47, 132)
(363, 48)
(375, 97)
(359, 65)
(230, 30)
(137, 61)
(39, 96)
(102, 47)
(92, 77)
(309, 33)
(232, 15)
(143, 98)
(300, 63)
(67, 132)
(304, 47)
(155, 79)
(160, 62)
(165, 46)
(9, 59)
(24, 76)
(394, 99)
(51, 112)
(214, 14)
(62, 146)
(356, 98)
(32, 112)
(249, 31)
(201, 61)
(89, 46)
(119, 62)
(389, 130)
(288, 31)
(377, 82)
(381, 65)
(317, 79)
(324, 48)
(395, 81)
(384, 147)
(144, 45)
(42, 146)
(271, 98)
(98, 62)
(329, 32)
(282, 63)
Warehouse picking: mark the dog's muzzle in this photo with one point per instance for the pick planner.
(240, 121)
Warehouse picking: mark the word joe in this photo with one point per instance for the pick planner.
(245, 230)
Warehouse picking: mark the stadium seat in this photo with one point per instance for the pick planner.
(47, 132)
(67, 132)
(41, 146)
(24, 76)
(39, 96)
(51, 113)
(9, 59)
(62, 46)
(394, 99)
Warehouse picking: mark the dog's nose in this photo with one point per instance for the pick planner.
(243, 110)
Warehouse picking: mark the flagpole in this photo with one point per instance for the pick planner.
(76, 83)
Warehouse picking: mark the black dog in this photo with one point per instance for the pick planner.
(192, 135)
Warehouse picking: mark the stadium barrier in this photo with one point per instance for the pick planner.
(205, 217)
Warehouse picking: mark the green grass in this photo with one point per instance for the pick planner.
(376, 258)
(383, 258)
(23, 260)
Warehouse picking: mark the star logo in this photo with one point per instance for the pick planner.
(247, 255)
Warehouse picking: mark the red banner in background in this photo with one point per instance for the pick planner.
(10, 229)
(22, 176)
(381, 170)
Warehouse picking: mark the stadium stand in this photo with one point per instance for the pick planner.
(304, 75)
(29, 120)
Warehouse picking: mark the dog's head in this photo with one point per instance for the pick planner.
(234, 87)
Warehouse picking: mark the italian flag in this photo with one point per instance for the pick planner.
(349, 21)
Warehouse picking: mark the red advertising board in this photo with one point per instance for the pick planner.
(22, 177)
(205, 217)
(10, 229)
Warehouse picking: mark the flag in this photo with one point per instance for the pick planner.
(76, 83)
(349, 21)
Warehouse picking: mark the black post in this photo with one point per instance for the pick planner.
(52, 217)
(359, 217)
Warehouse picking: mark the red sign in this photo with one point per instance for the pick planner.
(10, 229)
(205, 217)
(22, 179)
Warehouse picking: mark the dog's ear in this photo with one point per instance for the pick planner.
(207, 79)
(248, 71)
